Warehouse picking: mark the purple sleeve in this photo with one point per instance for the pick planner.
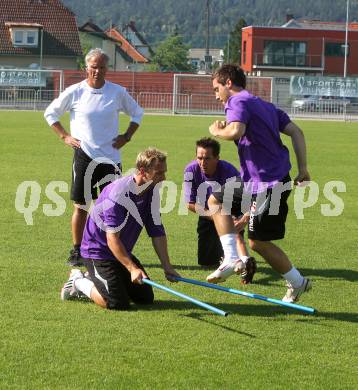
(114, 215)
(190, 189)
(233, 172)
(152, 221)
(236, 111)
(283, 119)
(155, 230)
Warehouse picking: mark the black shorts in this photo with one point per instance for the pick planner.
(210, 250)
(113, 282)
(82, 192)
(268, 211)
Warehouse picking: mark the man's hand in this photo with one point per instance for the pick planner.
(302, 177)
(170, 274)
(119, 141)
(137, 275)
(240, 223)
(215, 127)
(72, 142)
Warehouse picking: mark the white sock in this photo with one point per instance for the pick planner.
(294, 277)
(228, 242)
(244, 259)
(84, 285)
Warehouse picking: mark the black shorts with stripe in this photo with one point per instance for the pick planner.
(87, 177)
(268, 210)
(113, 282)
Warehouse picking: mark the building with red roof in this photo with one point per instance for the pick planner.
(38, 33)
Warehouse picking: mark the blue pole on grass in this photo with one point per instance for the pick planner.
(247, 294)
(187, 297)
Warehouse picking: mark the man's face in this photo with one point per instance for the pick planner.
(222, 92)
(206, 160)
(156, 174)
(96, 69)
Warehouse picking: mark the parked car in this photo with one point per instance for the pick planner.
(333, 104)
(306, 103)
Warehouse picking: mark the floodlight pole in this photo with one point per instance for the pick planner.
(346, 42)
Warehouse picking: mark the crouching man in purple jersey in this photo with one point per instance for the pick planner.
(201, 177)
(255, 126)
(123, 208)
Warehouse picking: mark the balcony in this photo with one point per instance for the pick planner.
(281, 61)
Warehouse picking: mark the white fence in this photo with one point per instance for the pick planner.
(188, 104)
(25, 99)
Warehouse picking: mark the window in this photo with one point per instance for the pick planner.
(333, 49)
(25, 37)
(284, 53)
(18, 37)
(31, 37)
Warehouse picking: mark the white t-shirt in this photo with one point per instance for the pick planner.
(94, 116)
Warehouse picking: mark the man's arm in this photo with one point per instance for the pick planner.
(230, 132)
(67, 138)
(53, 113)
(200, 210)
(130, 107)
(161, 248)
(118, 249)
(299, 146)
(122, 139)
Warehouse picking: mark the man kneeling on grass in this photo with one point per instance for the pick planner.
(113, 227)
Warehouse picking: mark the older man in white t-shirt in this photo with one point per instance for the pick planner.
(94, 105)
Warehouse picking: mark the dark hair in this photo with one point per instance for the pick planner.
(230, 72)
(208, 142)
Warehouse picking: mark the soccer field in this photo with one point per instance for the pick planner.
(49, 344)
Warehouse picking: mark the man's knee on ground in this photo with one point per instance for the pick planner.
(146, 297)
(117, 303)
(148, 300)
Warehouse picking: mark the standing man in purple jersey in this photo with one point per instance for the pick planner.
(112, 229)
(255, 126)
(201, 177)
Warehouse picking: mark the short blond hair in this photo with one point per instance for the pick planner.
(150, 157)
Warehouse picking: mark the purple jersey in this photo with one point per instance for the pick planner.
(119, 209)
(263, 156)
(197, 192)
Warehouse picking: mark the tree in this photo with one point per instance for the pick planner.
(86, 46)
(171, 55)
(232, 50)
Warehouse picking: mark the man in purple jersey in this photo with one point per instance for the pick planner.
(112, 229)
(255, 126)
(201, 177)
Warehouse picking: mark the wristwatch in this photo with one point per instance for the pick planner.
(127, 137)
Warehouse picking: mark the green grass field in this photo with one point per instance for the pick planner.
(49, 344)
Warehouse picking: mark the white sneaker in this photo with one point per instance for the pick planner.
(226, 269)
(69, 290)
(293, 294)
